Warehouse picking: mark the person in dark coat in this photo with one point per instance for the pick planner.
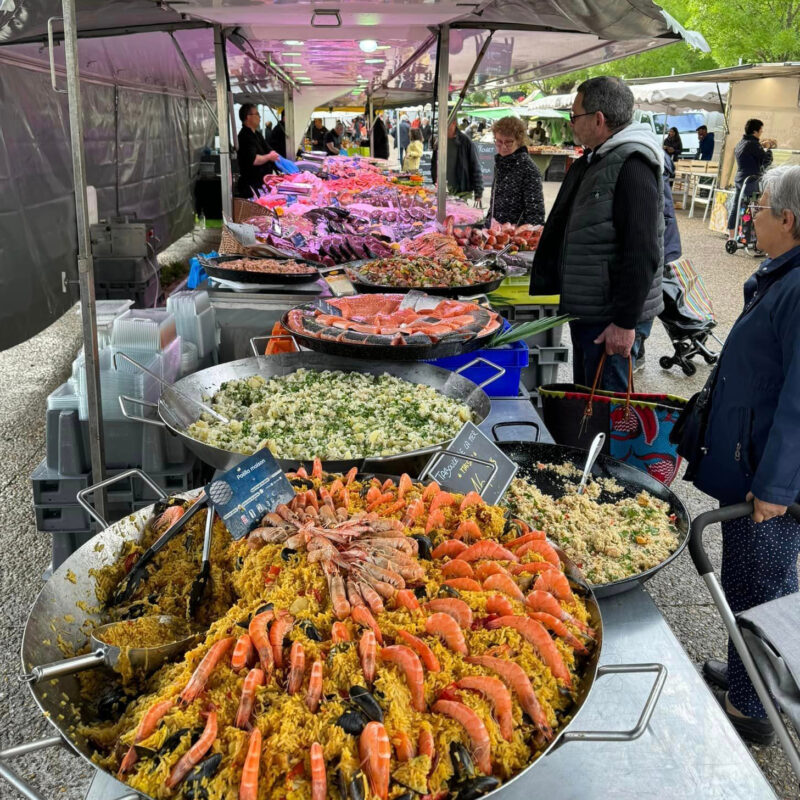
(403, 136)
(705, 144)
(752, 438)
(427, 133)
(277, 139)
(673, 145)
(380, 138)
(255, 156)
(464, 176)
(517, 195)
(752, 157)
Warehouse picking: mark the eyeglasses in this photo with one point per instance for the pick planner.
(573, 117)
(754, 209)
(505, 142)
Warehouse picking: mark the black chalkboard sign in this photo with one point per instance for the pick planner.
(488, 472)
(242, 495)
(486, 153)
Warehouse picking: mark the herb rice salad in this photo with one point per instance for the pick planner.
(332, 415)
(402, 272)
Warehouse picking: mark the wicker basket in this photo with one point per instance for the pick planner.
(229, 244)
(247, 209)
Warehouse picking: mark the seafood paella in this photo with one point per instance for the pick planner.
(368, 640)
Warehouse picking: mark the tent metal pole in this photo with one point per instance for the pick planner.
(222, 127)
(85, 263)
(468, 82)
(193, 78)
(288, 121)
(442, 97)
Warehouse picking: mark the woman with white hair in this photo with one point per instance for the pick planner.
(750, 440)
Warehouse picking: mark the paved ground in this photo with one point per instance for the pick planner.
(32, 370)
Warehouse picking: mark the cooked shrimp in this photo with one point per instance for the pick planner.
(407, 599)
(371, 596)
(498, 695)
(316, 469)
(195, 753)
(319, 778)
(351, 475)
(532, 567)
(457, 609)
(314, 693)
(254, 679)
(425, 744)
(468, 530)
(147, 726)
(404, 485)
(362, 616)
(403, 746)
(543, 548)
(375, 752)
(297, 667)
(367, 654)
(474, 727)
(457, 569)
(539, 600)
(497, 604)
(435, 520)
(471, 499)
(257, 631)
(531, 536)
(414, 511)
(556, 584)
(447, 628)
(463, 584)
(559, 629)
(515, 678)
(535, 633)
(441, 500)
(431, 490)
(486, 549)
(203, 671)
(450, 548)
(505, 584)
(339, 633)
(405, 658)
(487, 568)
(426, 655)
(277, 633)
(248, 786)
(243, 653)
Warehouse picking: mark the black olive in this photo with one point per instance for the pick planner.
(262, 609)
(357, 789)
(448, 591)
(475, 787)
(366, 703)
(352, 722)
(420, 592)
(310, 631)
(194, 788)
(287, 553)
(463, 767)
(424, 546)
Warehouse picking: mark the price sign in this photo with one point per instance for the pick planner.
(242, 495)
(472, 463)
(486, 153)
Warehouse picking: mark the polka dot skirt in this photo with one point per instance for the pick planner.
(759, 563)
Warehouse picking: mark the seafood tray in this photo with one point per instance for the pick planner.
(394, 327)
(215, 267)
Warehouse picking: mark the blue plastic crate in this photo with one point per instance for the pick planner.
(513, 358)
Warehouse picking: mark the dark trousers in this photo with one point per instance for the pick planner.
(759, 564)
(586, 356)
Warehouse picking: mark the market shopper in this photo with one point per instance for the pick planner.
(749, 445)
(705, 144)
(427, 133)
(414, 151)
(317, 133)
(333, 139)
(277, 139)
(380, 138)
(403, 137)
(517, 195)
(753, 156)
(255, 156)
(673, 145)
(602, 246)
(464, 177)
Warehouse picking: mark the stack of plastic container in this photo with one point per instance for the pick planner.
(106, 311)
(148, 335)
(195, 322)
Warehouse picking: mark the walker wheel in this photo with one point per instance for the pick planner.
(688, 368)
(712, 359)
(665, 362)
(731, 247)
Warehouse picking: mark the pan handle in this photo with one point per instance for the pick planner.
(67, 666)
(436, 457)
(129, 473)
(11, 777)
(519, 424)
(267, 338)
(725, 514)
(647, 711)
(123, 398)
(500, 370)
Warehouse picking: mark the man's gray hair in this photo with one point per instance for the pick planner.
(783, 185)
(611, 96)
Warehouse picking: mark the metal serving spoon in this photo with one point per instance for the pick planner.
(143, 659)
(594, 451)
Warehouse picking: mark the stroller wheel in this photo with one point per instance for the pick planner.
(731, 247)
(711, 358)
(665, 362)
(688, 368)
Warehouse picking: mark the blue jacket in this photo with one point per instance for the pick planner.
(753, 434)
(705, 149)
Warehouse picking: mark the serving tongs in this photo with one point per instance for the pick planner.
(131, 581)
(200, 583)
(492, 259)
(140, 659)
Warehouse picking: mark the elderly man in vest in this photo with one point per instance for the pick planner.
(602, 248)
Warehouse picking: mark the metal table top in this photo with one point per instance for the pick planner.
(690, 750)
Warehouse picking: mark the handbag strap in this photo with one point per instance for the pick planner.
(588, 410)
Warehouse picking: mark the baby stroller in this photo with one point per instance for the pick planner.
(688, 316)
(745, 236)
(765, 636)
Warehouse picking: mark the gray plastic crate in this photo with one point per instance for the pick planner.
(51, 488)
(543, 368)
(516, 314)
(72, 517)
(109, 270)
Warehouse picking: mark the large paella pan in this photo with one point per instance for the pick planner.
(358, 688)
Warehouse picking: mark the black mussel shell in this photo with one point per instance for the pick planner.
(310, 630)
(339, 647)
(448, 591)
(238, 562)
(406, 796)
(144, 752)
(352, 722)
(202, 773)
(244, 623)
(134, 611)
(366, 702)
(341, 785)
(172, 741)
(463, 768)
(152, 598)
(162, 505)
(262, 609)
(287, 553)
(475, 787)
(112, 703)
(357, 788)
(424, 546)
(420, 592)
(301, 483)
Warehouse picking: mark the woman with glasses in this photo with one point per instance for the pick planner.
(255, 156)
(517, 190)
(751, 441)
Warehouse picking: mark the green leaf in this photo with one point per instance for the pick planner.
(525, 330)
